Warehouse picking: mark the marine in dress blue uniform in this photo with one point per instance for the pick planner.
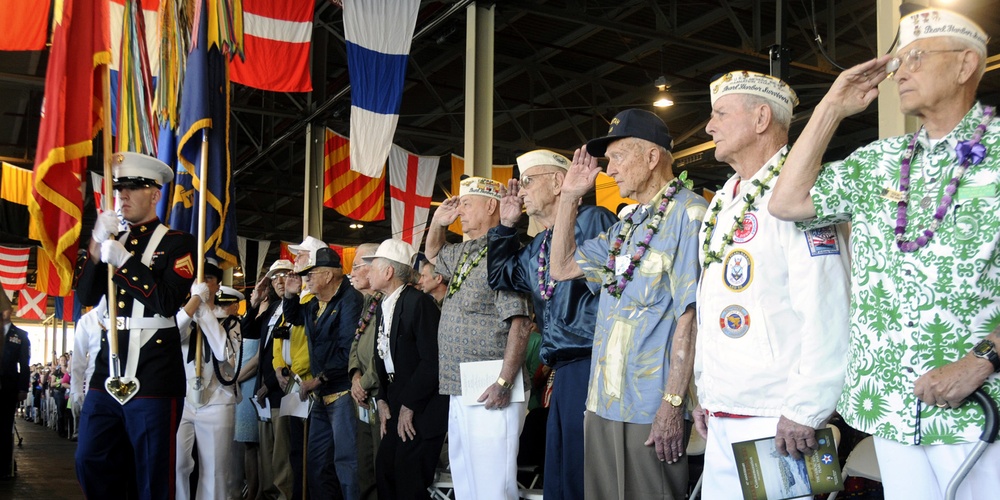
(139, 433)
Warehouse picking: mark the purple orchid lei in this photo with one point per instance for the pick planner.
(968, 152)
(545, 288)
(617, 287)
(367, 317)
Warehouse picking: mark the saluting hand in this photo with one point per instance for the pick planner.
(855, 88)
(446, 213)
(581, 174)
(510, 204)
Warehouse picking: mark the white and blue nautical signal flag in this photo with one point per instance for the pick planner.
(378, 36)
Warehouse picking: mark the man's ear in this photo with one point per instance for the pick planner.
(157, 194)
(762, 118)
(492, 206)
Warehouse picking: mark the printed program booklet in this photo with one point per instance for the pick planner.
(766, 475)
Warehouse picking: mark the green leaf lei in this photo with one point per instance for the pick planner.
(750, 199)
(463, 272)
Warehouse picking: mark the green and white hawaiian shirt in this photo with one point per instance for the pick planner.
(912, 312)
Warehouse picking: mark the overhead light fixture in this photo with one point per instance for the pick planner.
(663, 99)
(356, 225)
(238, 272)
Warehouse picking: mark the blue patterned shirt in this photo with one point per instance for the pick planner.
(631, 361)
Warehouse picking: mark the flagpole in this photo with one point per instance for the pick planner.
(202, 210)
(109, 204)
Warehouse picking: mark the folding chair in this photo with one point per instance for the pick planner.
(862, 462)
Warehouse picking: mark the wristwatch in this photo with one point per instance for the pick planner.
(986, 349)
(505, 384)
(673, 399)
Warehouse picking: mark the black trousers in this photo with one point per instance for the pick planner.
(8, 405)
(403, 471)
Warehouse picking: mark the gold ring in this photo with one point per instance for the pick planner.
(942, 405)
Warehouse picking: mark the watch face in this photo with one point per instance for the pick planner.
(983, 348)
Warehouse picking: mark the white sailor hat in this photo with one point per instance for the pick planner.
(136, 170)
(394, 250)
(541, 157)
(480, 186)
(756, 84)
(935, 22)
(228, 295)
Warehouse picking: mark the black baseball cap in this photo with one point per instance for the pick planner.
(322, 257)
(637, 123)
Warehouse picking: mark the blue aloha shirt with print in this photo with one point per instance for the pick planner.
(913, 312)
(631, 360)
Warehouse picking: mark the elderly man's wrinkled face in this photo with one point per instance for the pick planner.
(474, 210)
(540, 189)
(926, 74)
(359, 274)
(731, 126)
(628, 165)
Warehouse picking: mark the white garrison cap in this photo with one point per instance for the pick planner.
(541, 157)
(929, 23)
(757, 84)
(480, 186)
(133, 170)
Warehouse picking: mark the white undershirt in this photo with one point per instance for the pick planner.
(388, 306)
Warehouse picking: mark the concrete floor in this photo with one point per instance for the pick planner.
(44, 466)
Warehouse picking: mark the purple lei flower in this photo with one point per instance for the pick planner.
(975, 151)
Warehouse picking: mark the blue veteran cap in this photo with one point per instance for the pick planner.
(637, 123)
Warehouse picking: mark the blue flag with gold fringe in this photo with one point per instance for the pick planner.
(204, 109)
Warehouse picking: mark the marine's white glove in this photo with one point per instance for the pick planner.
(114, 253)
(107, 225)
(201, 290)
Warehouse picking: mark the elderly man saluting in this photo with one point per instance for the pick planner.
(645, 268)
(479, 324)
(565, 312)
(770, 357)
(925, 232)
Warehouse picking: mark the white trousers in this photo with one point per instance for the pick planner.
(482, 449)
(721, 479)
(212, 427)
(925, 471)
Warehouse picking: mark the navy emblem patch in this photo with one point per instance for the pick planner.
(734, 321)
(738, 271)
(748, 230)
(823, 241)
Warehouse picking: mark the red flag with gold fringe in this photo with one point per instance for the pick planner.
(71, 117)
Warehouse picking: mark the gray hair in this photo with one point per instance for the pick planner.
(366, 249)
(402, 272)
(779, 115)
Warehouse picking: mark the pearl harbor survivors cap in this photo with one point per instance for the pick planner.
(756, 84)
(480, 186)
(540, 157)
(934, 22)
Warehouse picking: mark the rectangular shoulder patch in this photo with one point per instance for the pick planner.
(822, 241)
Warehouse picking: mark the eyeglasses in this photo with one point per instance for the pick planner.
(527, 180)
(912, 59)
(310, 273)
(359, 265)
(279, 276)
